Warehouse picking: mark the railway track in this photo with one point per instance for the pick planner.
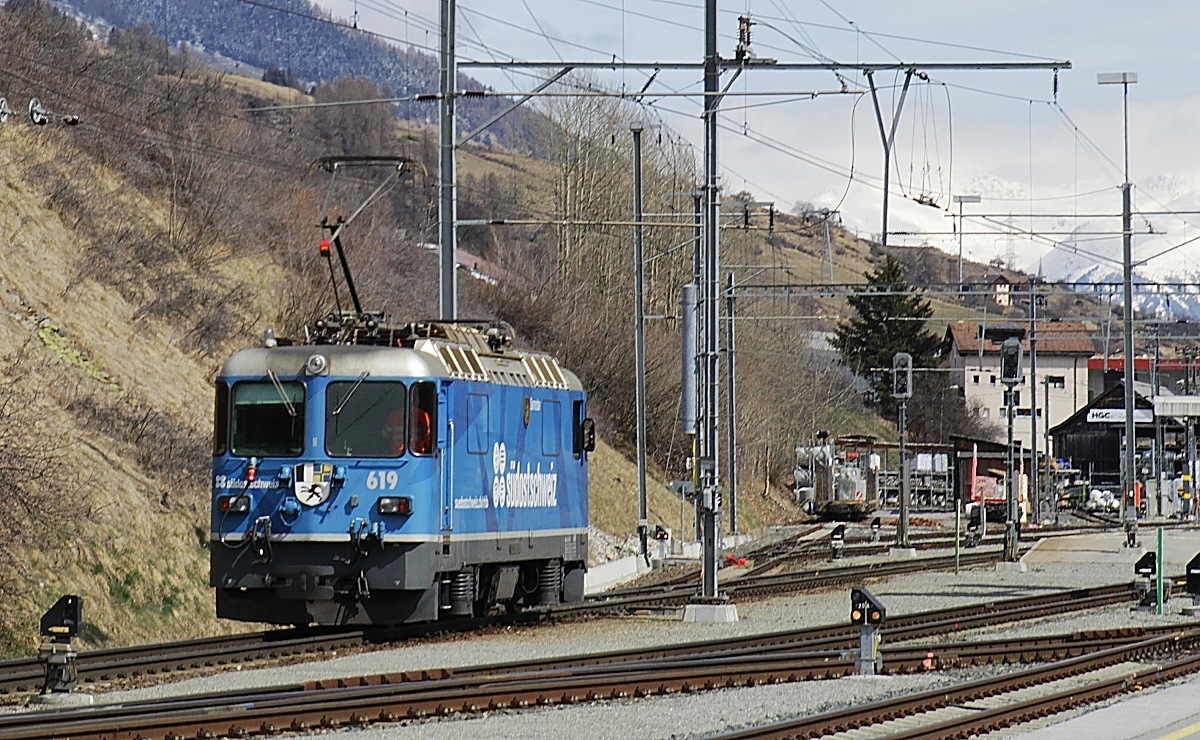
(769, 584)
(956, 711)
(25, 675)
(803, 547)
(788, 656)
(22, 676)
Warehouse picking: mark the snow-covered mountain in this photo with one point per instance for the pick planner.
(1163, 252)
(1080, 241)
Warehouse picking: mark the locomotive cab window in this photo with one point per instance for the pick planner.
(365, 418)
(221, 419)
(577, 428)
(268, 419)
(422, 429)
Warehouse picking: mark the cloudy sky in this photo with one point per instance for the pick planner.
(1004, 135)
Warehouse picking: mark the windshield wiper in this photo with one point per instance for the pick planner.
(346, 398)
(287, 402)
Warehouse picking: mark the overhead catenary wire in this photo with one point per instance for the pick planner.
(858, 31)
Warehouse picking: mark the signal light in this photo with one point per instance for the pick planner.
(401, 505)
(238, 504)
(902, 376)
(1010, 362)
(865, 607)
(324, 247)
(1147, 565)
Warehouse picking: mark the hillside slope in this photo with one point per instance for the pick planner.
(127, 398)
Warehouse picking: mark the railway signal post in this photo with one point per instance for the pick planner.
(1010, 376)
(902, 391)
(867, 611)
(58, 626)
(1192, 586)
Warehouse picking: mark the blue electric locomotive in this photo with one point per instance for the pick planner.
(383, 473)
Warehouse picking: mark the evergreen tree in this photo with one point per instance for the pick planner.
(884, 325)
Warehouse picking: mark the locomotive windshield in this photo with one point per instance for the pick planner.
(365, 419)
(268, 419)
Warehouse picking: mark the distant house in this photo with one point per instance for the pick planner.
(1003, 287)
(1063, 349)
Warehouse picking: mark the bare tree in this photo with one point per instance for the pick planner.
(41, 496)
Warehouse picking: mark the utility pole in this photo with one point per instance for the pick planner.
(710, 345)
(1050, 493)
(1189, 475)
(447, 173)
(1155, 460)
(731, 395)
(1034, 488)
(639, 344)
(1125, 79)
(1010, 376)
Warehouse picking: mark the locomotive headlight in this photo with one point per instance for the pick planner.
(395, 505)
(238, 504)
(316, 365)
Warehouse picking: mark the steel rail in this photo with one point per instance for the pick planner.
(399, 696)
(797, 549)
(843, 720)
(674, 595)
(23, 675)
(990, 720)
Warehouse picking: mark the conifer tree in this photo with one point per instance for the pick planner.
(884, 325)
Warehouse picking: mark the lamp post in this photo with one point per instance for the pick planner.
(1050, 492)
(1125, 79)
(960, 199)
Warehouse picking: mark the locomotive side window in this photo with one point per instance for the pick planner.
(221, 419)
(365, 419)
(422, 429)
(551, 427)
(477, 424)
(268, 419)
(577, 428)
